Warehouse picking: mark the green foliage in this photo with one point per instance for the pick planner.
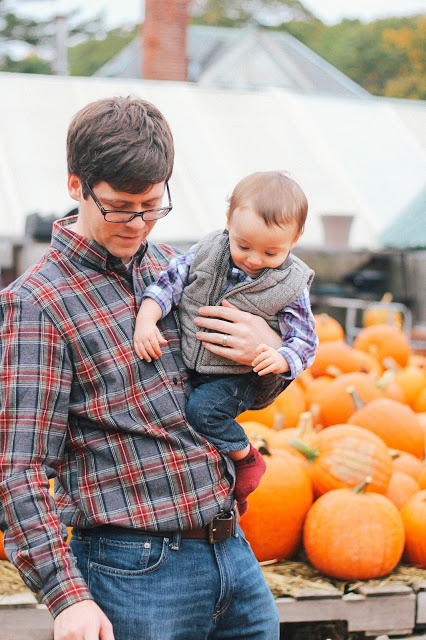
(30, 64)
(89, 56)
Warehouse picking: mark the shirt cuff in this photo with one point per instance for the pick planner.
(158, 296)
(294, 363)
(63, 591)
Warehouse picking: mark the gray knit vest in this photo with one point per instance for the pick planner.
(264, 296)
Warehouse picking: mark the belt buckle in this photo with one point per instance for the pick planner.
(224, 525)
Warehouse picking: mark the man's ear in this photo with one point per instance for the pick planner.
(74, 187)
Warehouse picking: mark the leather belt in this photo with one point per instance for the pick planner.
(220, 528)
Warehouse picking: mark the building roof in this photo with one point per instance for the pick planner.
(247, 58)
(408, 230)
(356, 158)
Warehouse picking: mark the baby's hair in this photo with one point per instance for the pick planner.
(274, 196)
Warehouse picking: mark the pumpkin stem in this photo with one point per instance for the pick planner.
(333, 371)
(279, 422)
(361, 487)
(310, 453)
(355, 397)
(383, 382)
(260, 444)
(305, 426)
(394, 453)
(390, 364)
(387, 297)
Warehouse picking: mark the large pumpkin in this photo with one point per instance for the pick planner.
(333, 356)
(353, 536)
(274, 520)
(344, 456)
(328, 328)
(394, 422)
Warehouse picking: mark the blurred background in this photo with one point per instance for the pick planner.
(332, 92)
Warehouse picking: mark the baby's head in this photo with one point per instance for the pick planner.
(266, 217)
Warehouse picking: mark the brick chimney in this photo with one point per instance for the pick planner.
(164, 40)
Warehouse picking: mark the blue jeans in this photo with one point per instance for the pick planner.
(168, 588)
(214, 404)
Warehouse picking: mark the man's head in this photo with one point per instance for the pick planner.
(265, 219)
(124, 141)
(120, 156)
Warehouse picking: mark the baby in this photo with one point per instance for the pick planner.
(249, 264)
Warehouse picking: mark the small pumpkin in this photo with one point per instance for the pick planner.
(401, 488)
(333, 356)
(384, 342)
(336, 404)
(351, 535)
(408, 463)
(328, 328)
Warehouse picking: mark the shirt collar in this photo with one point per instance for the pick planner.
(88, 253)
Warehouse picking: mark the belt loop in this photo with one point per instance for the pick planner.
(176, 541)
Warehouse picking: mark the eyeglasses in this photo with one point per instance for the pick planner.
(126, 216)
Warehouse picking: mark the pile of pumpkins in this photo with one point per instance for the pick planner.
(344, 446)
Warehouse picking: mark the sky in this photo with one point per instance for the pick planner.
(120, 12)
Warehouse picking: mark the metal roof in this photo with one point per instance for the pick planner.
(408, 230)
(249, 58)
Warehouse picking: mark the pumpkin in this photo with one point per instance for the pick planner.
(328, 328)
(277, 509)
(422, 478)
(336, 404)
(283, 412)
(367, 363)
(333, 356)
(419, 404)
(394, 422)
(264, 439)
(413, 515)
(344, 456)
(412, 381)
(384, 342)
(3, 555)
(400, 488)
(382, 313)
(353, 536)
(408, 463)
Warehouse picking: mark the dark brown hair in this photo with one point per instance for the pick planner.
(274, 196)
(124, 141)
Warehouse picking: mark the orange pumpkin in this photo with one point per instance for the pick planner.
(382, 313)
(277, 509)
(353, 536)
(384, 342)
(284, 412)
(264, 439)
(367, 363)
(400, 488)
(413, 516)
(394, 422)
(344, 456)
(412, 381)
(419, 404)
(333, 356)
(328, 328)
(408, 463)
(3, 555)
(336, 404)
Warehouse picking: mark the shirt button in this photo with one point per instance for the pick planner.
(175, 381)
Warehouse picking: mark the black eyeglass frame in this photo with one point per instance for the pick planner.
(161, 211)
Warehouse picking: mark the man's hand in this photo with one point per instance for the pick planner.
(244, 332)
(268, 360)
(82, 621)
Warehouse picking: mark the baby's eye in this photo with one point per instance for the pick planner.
(271, 255)
(242, 248)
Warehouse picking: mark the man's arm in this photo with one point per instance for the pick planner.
(36, 379)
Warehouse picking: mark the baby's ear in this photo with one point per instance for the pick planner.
(228, 218)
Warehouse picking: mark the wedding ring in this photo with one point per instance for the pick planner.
(225, 341)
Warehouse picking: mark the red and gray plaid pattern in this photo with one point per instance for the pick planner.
(78, 404)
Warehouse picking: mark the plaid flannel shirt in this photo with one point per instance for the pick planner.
(296, 321)
(76, 403)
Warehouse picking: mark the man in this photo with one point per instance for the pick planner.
(155, 551)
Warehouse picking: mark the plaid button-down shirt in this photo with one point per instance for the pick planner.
(296, 321)
(79, 405)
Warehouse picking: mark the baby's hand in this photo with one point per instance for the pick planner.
(268, 360)
(147, 340)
